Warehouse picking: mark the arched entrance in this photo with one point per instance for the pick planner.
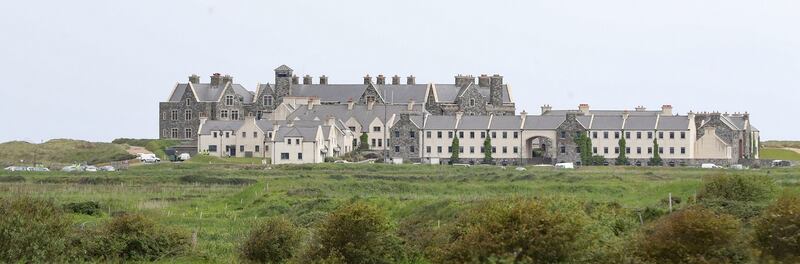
(538, 150)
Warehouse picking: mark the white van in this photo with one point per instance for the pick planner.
(568, 165)
(709, 166)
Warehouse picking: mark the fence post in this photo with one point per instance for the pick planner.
(670, 202)
(194, 239)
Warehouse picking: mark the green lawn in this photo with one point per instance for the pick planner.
(223, 214)
(59, 152)
(779, 154)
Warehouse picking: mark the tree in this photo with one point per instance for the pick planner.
(585, 145)
(487, 150)
(622, 159)
(364, 142)
(692, 235)
(656, 159)
(273, 241)
(455, 149)
(777, 230)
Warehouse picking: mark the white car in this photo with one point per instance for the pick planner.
(709, 166)
(151, 159)
(107, 168)
(91, 168)
(568, 165)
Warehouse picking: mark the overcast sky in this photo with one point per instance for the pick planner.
(96, 70)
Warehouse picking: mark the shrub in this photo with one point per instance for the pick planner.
(692, 235)
(777, 231)
(354, 233)
(133, 237)
(273, 241)
(528, 231)
(87, 208)
(13, 178)
(750, 188)
(33, 231)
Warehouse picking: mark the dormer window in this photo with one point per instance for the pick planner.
(267, 100)
(229, 100)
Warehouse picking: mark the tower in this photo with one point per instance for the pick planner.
(283, 81)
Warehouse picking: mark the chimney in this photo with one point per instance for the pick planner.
(464, 80)
(546, 108)
(641, 109)
(330, 120)
(625, 114)
(194, 79)
(484, 80)
(226, 79)
(310, 103)
(367, 79)
(410, 105)
(459, 114)
(323, 79)
(307, 79)
(381, 79)
(584, 108)
(396, 79)
(746, 116)
(666, 110)
(216, 79)
(410, 80)
(496, 90)
(295, 79)
(350, 104)
(370, 105)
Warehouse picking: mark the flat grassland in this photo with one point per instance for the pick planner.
(221, 199)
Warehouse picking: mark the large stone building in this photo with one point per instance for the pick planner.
(294, 121)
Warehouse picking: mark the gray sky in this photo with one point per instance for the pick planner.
(96, 70)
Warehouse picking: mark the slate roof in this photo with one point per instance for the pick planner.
(330, 92)
(640, 123)
(673, 123)
(607, 122)
(447, 93)
(220, 125)
(474, 122)
(536, 122)
(307, 133)
(440, 122)
(206, 93)
(402, 93)
(506, 122)
(606, 112)
(359, 112)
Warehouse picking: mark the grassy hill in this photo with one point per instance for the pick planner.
(779, 154)
(61, 151)
(781, 144)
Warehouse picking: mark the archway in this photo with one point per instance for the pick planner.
(538, 150)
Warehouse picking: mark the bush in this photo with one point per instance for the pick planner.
(133, 237)
(33, 231)
(273, 241)
(354, 233)
(527, 231)
(777, 231)
(13, 178)
(87, 208)
(742, 188)
(692, 235)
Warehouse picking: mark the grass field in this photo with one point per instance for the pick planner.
(781, 144)
(779, 154)
(58, 152)
(222, 212)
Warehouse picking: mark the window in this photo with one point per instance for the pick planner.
(188, 101)
(661, 150)
(376, 129)
(380, 142)
(683, 135)
(494, 149)
(563, 134)
(460, 134)
(638, 135)
(396, 148)
(671, 135)
(494, 134)
(516, 134)
(472, 149)
(683, 150)
(449, 134)
(460, 149)
(244, 134)
(438, 134)
(174, 133)
(439, 149)
(257, 148)
(300, 156)
(297, 141)
(616, 150)
(352, 128)
(594, 150)
(671, 150)
(660, 135)
(174, 114)
(284, 156)
(235, 115)
(255, 134)
(594, 134)
(627, 150)
(163, 115)
(516, 149)
(289, 141)
(482, 150)
(259, 114)
(577, 149)
(649, 150)
(563, 149)
(605, 134)
(267, 100)
(428, 149)
(241, 148)
(212, 148)
(450, 149)
(374, 142)
(649, 135)
(483, 134)
(412, 134)
(627, 135)
(411, 149)
(427, 134)
(578, 134)
(187, 133)
(227, 134)
(505, 134)
(605, 150)
(370, 98)
(215, 134)
(472, 134)
(397, 133)
(229, 100)
(223, 114)
(616, 135)
(505, 149)
(638, 150)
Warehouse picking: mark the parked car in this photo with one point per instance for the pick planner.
(38, 169)
(781, 163)
(16, 168)
(90, 168)
(150, 158)
(709, 166)
(567, 165)
(107, 168)
(184, 156)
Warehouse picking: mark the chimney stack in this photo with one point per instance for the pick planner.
(216, 79)
(666, 110)
(307, 79)
(350, 104)
(584, 108)
(194, 79)
(411, 80)
(546, 108)
(295, 79)
(370, 105)
(323, 79)
(381, 79)
(484, 80)
(410, 105)
(396, 79)
(226, 79)
(464, 80)
(367, 79)
(310, 103)
(641, 109)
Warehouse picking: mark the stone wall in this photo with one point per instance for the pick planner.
(401, 136)
(570, 128)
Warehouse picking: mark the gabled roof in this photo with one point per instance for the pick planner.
(220, 125)
(340, 93)
(402, 93)
(360, 113)
(641, 123)
(204, 92)
(607, 122)
(474, 122)
(506, 122)
(542, 122)
(440, 122)
(447, 93)
(307, 133)
(673, 123)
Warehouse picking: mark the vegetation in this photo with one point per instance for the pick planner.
(33, 230)
(780, 144)
(622, 159)
(487, 151)
(133, 237)
(273, 241)
(364, 139)
(777, 230)
(585, 146)
(779, 154)
(455, 149)
(656, 159)
(57, 152)
(743, 196)
(158, 147)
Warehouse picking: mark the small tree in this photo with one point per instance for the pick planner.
(656, 159)
(777, 231)
(364, 142)
(487, 150)
(622, 159)
(455, 150)
(585, 145)
(273, 241)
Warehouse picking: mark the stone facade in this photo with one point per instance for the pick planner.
(566, 133)
(404, 142)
